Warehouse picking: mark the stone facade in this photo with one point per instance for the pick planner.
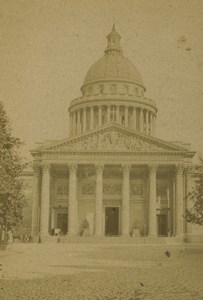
(112, 176)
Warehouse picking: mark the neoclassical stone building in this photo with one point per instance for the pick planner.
(112, 172)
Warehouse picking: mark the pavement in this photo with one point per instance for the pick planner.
(106, 272)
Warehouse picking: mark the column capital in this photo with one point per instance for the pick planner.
(188, 170)
(152, 168)
(72, 168)
(99, 168)
(125, 168)
(179, 169)
(46, 167)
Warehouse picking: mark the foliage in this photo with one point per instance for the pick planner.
(11, 165)
(195, 213)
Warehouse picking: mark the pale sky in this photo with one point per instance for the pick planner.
(47, 46)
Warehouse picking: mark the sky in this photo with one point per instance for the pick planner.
(47, 47)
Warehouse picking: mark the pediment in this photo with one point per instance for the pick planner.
(113, 138)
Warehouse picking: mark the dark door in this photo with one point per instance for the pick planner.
(62, 222)
(111, 221)
(162, 224)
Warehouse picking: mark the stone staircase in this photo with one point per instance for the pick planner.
(112, 240)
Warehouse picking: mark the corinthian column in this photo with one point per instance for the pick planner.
(45, 200)
(72, 202)
(152, 200)
(179, 200)
(35, 200)
(125, 200)
(98, 200)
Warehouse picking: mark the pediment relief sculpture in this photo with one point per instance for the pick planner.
(113, 140)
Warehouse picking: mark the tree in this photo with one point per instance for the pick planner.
(11, 165)
(195, 213)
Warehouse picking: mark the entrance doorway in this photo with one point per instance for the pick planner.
(62, 222)
(162, 224)
(111, 221)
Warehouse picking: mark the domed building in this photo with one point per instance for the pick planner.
(112, 177)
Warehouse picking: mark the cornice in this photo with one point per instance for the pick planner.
(133, 101)
(112, 80)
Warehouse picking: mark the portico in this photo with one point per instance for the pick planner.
(141, 192)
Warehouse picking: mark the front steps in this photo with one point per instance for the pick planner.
(112, 240)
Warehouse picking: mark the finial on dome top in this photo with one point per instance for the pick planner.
(114, 27)
(113, 39)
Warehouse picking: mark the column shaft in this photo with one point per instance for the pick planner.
(154, 125)
(99, 116)
(45, 200)
(98, 200)
(35, 201)
(147, 122)
(84, 120)
(179, 200)
(74, 123)
(141, 120)
(91, 117)
(126, 116)
(134, 118)
(152, 200)
(150, 122)
(70, 124)
(78, 122)
(72, 201)
(117, 114)
(108, 113)
(125, 201)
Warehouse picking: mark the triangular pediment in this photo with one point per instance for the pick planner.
(113, 138)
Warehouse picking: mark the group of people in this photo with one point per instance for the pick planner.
(7, 236)
(25, 238)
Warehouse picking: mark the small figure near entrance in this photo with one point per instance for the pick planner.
(169, 232)
(136, 230)
(86, 228)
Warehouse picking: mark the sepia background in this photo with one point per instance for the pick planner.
(48, 45)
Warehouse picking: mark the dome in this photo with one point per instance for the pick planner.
(113, 66)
